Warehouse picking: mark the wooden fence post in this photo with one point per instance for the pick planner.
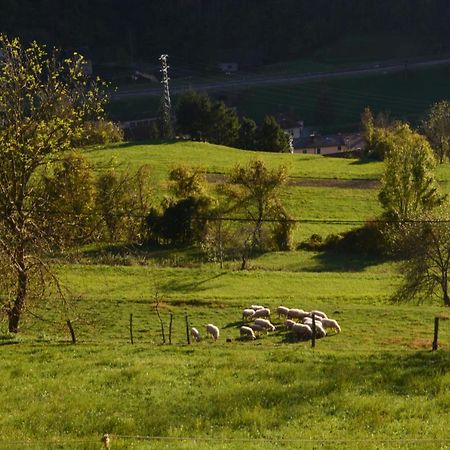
(170, 329)
(72, 333)
(131, 328)
(313, 340)
(436, 332)
(188, 334)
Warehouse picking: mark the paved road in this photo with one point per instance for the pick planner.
(242, 81)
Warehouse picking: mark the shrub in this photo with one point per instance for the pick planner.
(100, 133)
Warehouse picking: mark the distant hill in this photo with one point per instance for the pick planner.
(199, 33)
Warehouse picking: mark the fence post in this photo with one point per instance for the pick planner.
(188, 334)
(131, 328)
(72, 333)
(170, 329)
(436, 332)
(313, 340)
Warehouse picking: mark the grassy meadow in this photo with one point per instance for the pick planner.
(375, 385)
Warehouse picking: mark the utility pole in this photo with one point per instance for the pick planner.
(166, 125)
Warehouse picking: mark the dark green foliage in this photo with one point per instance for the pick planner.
(270, 136)
(224, 125)
(181, 223)
(201, 30)
(247, 134)
(193, 114)
(368, 240)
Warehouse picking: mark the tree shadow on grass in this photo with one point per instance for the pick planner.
(183, 286)
(331, 261)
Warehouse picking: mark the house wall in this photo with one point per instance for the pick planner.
(323, 150)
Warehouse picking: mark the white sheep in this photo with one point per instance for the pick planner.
(247, 332)
(213, 331)
(331, 323)
(319, 314)
(320, 330)
(308, 320)
(265, 323)
(264, 312)
(289, 323)
(282, 311)
(295, 313)
(258, 328)
(256, 307)
(248, 313)
(195, 334)
(302, 331)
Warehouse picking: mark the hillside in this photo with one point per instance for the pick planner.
(374, 384)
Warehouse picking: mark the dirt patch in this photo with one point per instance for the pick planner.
(334, 182)
(315, 182)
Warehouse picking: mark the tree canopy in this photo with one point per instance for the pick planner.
(408, 183)
(44, 102)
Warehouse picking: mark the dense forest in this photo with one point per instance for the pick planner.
(203, 31)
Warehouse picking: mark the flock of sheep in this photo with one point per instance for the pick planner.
(301, 323)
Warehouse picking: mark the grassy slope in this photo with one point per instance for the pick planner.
(376, 381)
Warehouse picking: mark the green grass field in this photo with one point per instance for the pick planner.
(375, 385)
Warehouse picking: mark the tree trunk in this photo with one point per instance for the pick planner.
(446, 299)
(15, 312)
(445, 288)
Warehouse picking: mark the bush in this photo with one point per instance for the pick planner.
(368, 240)
(100, 133)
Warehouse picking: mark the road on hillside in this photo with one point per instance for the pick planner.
(237, 81)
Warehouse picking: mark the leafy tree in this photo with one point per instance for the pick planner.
(271, 137)
(44, 103)
(182, 220)
(122, 200)
(224, 125)
(424, 245)
(247, 134)
(437, 129)
(193, 112)
(68, 197)
(408, 184)
(254, 191)
(186, 181)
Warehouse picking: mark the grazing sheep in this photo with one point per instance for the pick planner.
(265, 323)
(195, 334)
(302, 331)
(289, 323)
(247, 313)
(331, 323)
(282, 311)
(319, 313)
(309, 321)
(264, 312)
(258, 328)
(256, 307)
(213, 331)
(297, 314)
(247, 332)
(320, 330)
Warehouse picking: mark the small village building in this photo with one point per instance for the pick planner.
(349, 144)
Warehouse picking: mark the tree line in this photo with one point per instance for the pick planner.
(201, 30)
(200, 118)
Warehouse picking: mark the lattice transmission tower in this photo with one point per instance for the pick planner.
(166, 125)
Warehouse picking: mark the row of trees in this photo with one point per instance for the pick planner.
(200, 118)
